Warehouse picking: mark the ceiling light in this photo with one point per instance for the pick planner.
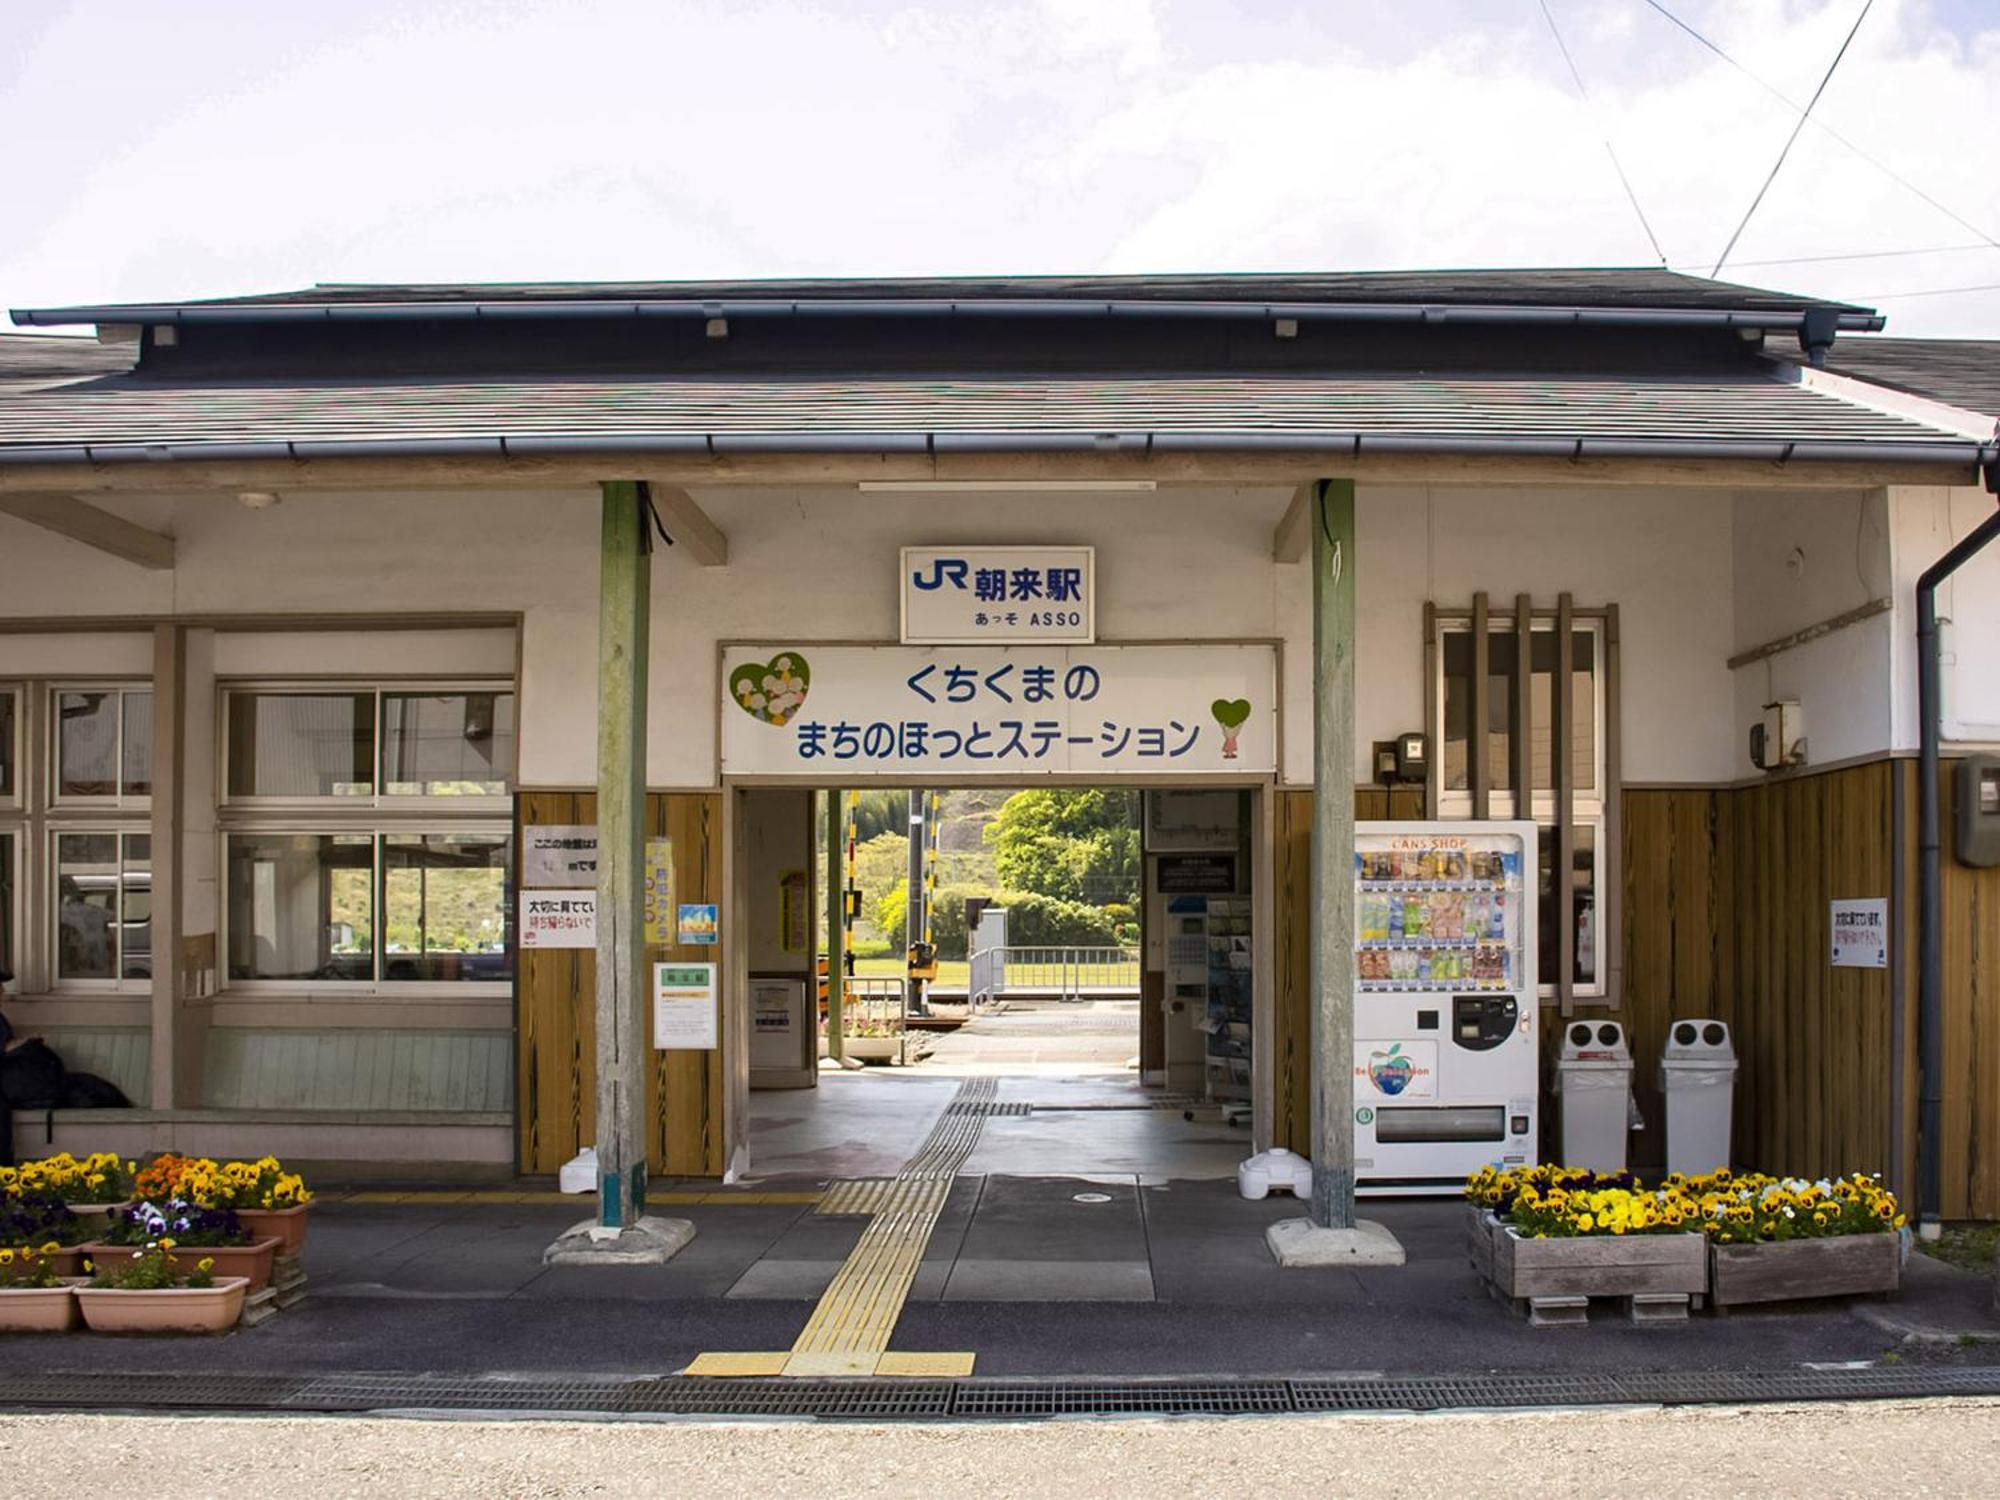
(990, 486)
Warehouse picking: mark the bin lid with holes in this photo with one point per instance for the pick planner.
(1598, 1043)
(1698, 1043)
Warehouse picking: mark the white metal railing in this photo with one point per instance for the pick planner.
(1061, 970)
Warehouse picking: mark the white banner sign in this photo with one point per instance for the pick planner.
(559, 919)
(972, 595)
(684, 1007)
(1000, 712)
(555, 855)
(1860, 934)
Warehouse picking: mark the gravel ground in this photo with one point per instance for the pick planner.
(1914, 1448)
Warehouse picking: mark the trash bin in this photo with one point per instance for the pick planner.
(1698, 1077)
(1594, 1083)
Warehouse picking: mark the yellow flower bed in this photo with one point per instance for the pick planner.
(205, 1183)
(98, 1178)
(1554, 1202)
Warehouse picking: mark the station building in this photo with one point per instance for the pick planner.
(300, 639)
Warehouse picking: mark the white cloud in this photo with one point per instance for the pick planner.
(217, 147)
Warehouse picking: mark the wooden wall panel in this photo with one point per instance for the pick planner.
(555, 1059)
(1971, 912)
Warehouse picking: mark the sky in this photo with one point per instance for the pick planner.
(206, 147)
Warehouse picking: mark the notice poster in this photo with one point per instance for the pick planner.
(684, 1017)
(559, 855)
(659, 874)
(559, 919)
(1860, 934)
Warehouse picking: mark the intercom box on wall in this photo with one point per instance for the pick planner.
(1779, 738)
(1976, 838)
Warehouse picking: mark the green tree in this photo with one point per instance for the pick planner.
(1075, 844)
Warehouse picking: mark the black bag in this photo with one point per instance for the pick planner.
(88, 1091)
(31, 1077)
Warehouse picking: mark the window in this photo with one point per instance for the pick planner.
(103, 744)
(376, 746)
(1583, 741)
(320, 886)
(8, 887)
(103, 907)
(10, 747)
(363, 908)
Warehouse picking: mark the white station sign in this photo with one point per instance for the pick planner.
(962, 596)
(999, 712)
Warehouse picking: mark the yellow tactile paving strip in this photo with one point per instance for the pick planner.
(849, 1331)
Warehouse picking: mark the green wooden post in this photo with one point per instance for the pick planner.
(836, 930)
(1333, 856)
(624, 610)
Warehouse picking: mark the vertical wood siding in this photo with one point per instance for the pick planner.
(555, 1050)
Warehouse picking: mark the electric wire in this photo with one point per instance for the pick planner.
(1778, 165)
(1617, 166)
(1817, 260)
(1785, 99)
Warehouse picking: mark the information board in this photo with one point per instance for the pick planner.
(684, 1015)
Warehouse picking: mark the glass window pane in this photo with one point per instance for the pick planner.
(301, 744)
(301, 906)
(447, 744)
(86, 744)
(1583, 710)
(1500, 715)
(138, 759)
(1583, 907)
(1455, 659)
(135, 913)
(8, 859)
(9, 717)
(86, 906)
(445, 907)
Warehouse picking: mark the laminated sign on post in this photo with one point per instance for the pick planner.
(684, 1007)
(660, 893)
(559, 855)
(972, 595)
(1860, 934)
(999, 711)
(559, 919)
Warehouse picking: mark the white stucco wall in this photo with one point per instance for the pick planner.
(820, 564)
(1925, 523)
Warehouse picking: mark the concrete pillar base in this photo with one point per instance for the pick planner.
(650, 1242)
(1300, 1242)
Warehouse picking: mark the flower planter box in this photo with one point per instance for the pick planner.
(252, 1262)
(212, 1309)
(1555, 1278)
(1790, 1270)
(96, 1217)
(38, 1309)
(1482, 1227)
(286, 1225)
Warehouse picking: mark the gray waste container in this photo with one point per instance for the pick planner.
(1594, 1084)
(1698, 1078)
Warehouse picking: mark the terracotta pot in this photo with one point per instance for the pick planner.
(288, 1225)
(208, 1309)
(97, 1216)
(37, 1309)
(252, 1262)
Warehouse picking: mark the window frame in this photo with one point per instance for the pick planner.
(14, 745)
(1595, 808)
(119, 983)
(55, 799)
(13, 902)
(376, 987)
(377, 803)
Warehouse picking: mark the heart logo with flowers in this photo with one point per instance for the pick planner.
(772, 691)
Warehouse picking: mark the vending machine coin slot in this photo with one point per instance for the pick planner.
(1480, 1022)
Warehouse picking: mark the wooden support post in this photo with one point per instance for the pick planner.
(1333, 857)
(623, 621)
(1478, 774)
(1562, 767)
(166, 903)
(1524, 707)
(836, 929)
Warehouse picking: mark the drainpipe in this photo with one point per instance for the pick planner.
(1930, 931)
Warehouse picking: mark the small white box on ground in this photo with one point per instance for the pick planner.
(1276, 1168)
(579, 1173)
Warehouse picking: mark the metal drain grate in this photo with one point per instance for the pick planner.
(792, 1398)
(1057, 1398)
(78, 1390)
(1456, 1393)
(444, 1393)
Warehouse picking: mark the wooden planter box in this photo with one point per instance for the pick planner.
(1843, 1266)
(1553, 1280)
(1482, 1228)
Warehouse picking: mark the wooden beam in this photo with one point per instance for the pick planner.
(1562, 768)
(1477, 773)
(1219, 467)
(1333, 857)
(688, 524)
(623, 1058)
(1290, 535)
(68, 516)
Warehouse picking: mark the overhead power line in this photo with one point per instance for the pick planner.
(1785, 99)
(1934, 291)
(1778, 165)
(1815, 260)
(1616, 165)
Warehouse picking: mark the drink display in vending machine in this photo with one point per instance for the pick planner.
(1446, 1060)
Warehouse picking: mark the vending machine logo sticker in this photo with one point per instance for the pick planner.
(1397, 1070)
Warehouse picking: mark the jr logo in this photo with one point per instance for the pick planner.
(943, 570)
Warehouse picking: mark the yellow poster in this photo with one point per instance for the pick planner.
(660, 910)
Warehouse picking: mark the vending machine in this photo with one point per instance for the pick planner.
(1446, 1057)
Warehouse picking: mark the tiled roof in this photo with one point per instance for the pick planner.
(1958, 372)
(41, 356)
(131, 416)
